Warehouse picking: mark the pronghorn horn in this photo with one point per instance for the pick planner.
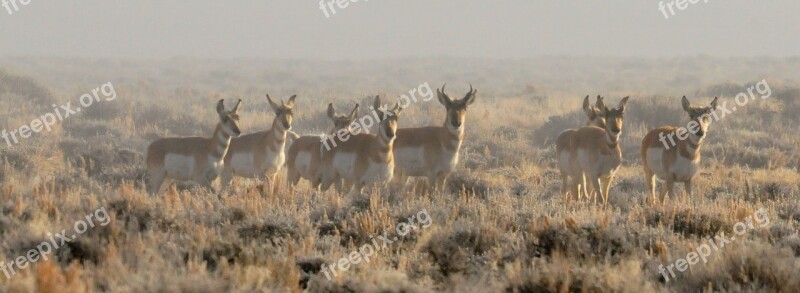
(331, 111)
(470, 88)
(221, 106)
(236, 108)
(376, 106)
(445, 84)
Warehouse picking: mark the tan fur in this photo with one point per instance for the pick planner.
(260, 155)
(192, 158)
(365, 159)
(311, 147)
(433, 152)
(564, 143)
(595, 153)
(678, 162)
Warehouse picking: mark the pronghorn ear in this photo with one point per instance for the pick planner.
(623, 103)
(354, 113)
(586, 107)
(290, 103)
(272, 104)
(331, 111)
(221, 106)
(236, 108)
(714, 103)
(443, 97)
(687, 106)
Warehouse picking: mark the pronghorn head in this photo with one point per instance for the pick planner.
(593, 113)
(699, 115)
(456, 109)
(229, 120)
(341, 121)
(614, 117)
(283, 112)
(388, 125)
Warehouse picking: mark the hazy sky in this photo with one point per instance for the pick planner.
(398, 28)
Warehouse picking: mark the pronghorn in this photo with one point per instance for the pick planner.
(304, 159)
(366, 159)
(679, 160)
(564, 143)
(433, 151)
(260, 154)
(193, 158)
(596, 153)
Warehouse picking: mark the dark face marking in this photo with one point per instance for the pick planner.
(231, 121)
(614, 119)
(701, 116)
(285, 115)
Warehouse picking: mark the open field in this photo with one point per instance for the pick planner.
(503, 226)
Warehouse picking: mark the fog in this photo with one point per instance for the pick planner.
(291, 29)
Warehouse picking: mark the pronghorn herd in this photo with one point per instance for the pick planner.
(587, 157)
(593, 152)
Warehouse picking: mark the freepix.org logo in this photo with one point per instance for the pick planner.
(12, 6)
(671, 5)
(329, 7)
(105, 92)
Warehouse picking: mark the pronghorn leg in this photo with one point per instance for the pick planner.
(688, 186)
(667, 189)
(585, 188)
(650, 178)
(399, 181)
(606, 182)
(316, 183)
(156, 180)
(225, 180)
(338, 184)
(432, 184)
(359, 186)
(325, 184)
(207, 184)
(576, 187)
(273, 184)
(294, 177)
(440, 183)
(347, 185)
(597, 187)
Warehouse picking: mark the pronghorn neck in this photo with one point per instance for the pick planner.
(383, 149)
(691, 148)
(612, 141)
(457, 133)
(278, 132)
(220, 142)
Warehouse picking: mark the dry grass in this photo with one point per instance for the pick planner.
(503, 226)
